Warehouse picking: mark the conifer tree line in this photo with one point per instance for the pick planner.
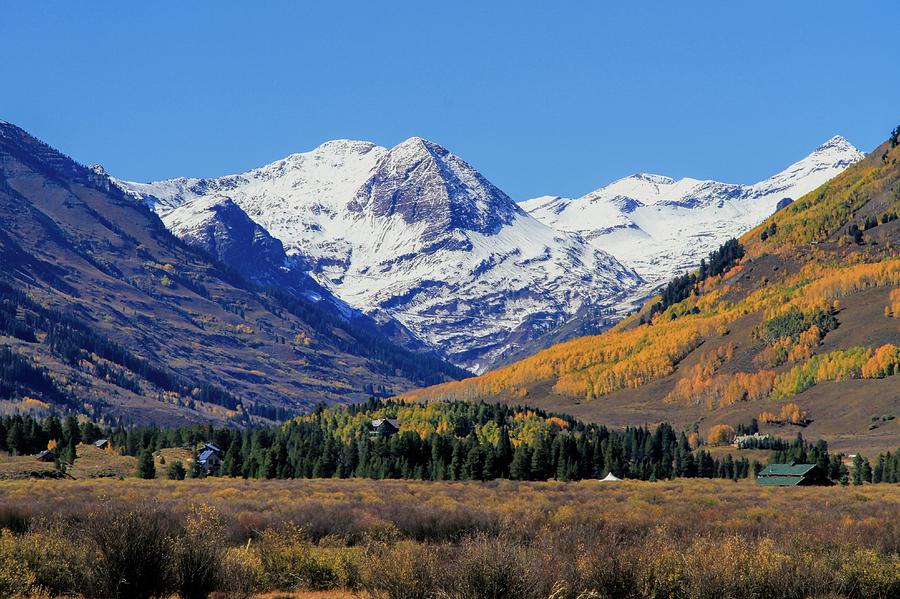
(437, 441)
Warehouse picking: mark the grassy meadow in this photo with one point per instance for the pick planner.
(406, 539)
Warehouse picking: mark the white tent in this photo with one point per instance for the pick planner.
(610, 478)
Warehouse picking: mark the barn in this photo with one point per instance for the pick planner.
(792, 475)
(384, 426)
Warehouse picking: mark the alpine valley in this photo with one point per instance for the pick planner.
(423, 243)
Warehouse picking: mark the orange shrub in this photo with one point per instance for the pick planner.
(720, 434)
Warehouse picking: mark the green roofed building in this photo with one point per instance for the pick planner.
(793, 474)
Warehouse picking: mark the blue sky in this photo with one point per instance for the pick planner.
(542, 97)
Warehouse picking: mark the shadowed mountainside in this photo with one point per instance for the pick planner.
(106, 312)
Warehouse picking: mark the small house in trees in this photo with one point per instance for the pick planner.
(741, 441)
(101, 443)
(791, 475)
(209, 458)
(384, 426)
(46, 456)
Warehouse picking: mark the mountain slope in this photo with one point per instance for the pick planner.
(802, 328)
(416, 232)
(660, 226)
(128, 321)
(222, 229)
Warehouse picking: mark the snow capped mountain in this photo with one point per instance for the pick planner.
(416, 232)
(661, 226)
(220, 227)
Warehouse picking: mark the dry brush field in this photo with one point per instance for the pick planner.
(686, 538)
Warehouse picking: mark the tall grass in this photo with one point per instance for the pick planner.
(399, 540)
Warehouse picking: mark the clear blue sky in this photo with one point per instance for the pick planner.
(543, 97)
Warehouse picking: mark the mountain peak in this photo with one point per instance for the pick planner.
(416, 146)
(342, 146)
(837, 152)
(837, 143)
(423, 182)
(650, 178)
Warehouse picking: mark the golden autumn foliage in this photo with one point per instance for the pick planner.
(852, 363)
(884, 362)
(833, 366)
(828, 284)
(586, 367)
(767, 417)
(720, 434)
(303, 339)
(559, 423)
(35, 403)
(702, 386)
(693, 439)
(523, 426)
(786, 349)
(892, 310)
(589, 367)
(789, 413)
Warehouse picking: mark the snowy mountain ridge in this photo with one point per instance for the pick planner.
(414, 231)
(661, 226)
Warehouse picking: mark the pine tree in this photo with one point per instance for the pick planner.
(175, 471)
(53, 428)
(857, 469)
(456, 461)
(231, 464)
(540, 460)
(878, 471)
(69, 452)
(834, 467)
(474, 464)
(728, 467)
(844, 475)
(71, 430)
(867, 471)
(15, 438)
(520, 468)
(196, 471)
(145, 466)
(489, 471)
(504, 453)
